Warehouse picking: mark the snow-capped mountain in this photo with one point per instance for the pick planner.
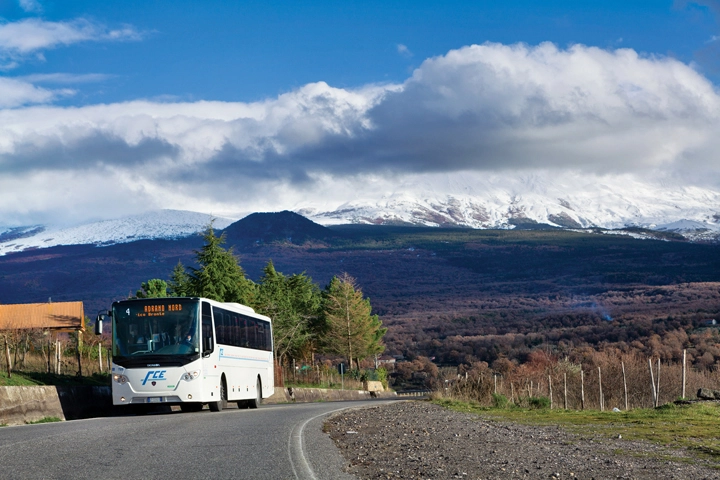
(570, 202)
(573, 202)
(151, 225)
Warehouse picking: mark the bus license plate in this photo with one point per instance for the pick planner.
(154, 400)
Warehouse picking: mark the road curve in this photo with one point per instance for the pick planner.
(272, 442)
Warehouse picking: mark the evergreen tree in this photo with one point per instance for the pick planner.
(291, 302)
(220, 276)
(154, 288)
(351, 330)
(179, 285)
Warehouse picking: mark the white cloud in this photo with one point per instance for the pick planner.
(483, 108)
(404, 50)
(29, 36)
(31, 6)
(15, 93)
(65, 78)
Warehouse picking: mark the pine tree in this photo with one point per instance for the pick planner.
(154, 288)
(291, 302)
(351, 330)
(179, 285)
(220, 276)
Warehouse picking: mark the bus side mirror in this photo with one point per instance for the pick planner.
(207, 345)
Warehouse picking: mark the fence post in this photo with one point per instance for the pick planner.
(602, 404)
(625, 385)
(652, 383)
(684, 372)
(658, 384)
(78, 349)
(582, 390)
(7, 357)
(494, 379)
(565, 388)
(512, 393)
(550, 391)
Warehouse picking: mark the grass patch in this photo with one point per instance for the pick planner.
(20, 379)
(45, 420)
(694, 427)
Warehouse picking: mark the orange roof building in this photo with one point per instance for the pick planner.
(59, 316)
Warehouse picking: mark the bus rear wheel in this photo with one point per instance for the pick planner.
(222, 403)
(255, 402)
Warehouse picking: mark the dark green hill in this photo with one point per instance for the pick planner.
(278, 227)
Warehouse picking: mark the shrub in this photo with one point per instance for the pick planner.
(539, 402)
(499, 400)
(382, 376)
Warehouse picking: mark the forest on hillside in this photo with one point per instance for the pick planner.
(458, 295)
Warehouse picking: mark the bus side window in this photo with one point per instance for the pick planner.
(242, 341)
(207, 330)
(260, 335)
(235, 330)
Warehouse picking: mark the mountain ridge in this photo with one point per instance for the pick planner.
(480, 202)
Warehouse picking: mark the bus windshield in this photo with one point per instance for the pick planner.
(163, 326)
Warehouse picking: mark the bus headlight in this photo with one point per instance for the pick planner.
(189, 376)
(120, 378)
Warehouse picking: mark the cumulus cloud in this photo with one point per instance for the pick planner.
(30, 36)
(481, 108)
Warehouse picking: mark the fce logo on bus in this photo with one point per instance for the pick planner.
(154, 375)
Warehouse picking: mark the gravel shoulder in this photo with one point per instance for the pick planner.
(420, 440)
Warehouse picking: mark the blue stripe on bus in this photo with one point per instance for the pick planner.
(245, 358)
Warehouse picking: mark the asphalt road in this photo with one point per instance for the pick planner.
(272, 442)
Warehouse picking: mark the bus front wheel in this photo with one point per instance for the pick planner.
(255, 402)
(222, 403)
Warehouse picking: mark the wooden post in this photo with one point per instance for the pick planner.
(582, 390)
(530, 389)
(50, 355)
(658, 384)
(625, 385)
(684, 371)
(652, 383)
(550, 391)
(57, 356)
(79, 348)
(602, 403)
(7, 357)
(512, 393)
(565, 389)
(495, 380)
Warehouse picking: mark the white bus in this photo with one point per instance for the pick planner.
(189, 352)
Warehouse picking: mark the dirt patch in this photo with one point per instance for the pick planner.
(419, 440)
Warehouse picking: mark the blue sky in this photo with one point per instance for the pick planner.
(291, 99)
(250, 50)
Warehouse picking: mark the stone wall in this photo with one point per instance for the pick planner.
(21, 405)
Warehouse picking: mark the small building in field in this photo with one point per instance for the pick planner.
(52, 317)
(49, 318)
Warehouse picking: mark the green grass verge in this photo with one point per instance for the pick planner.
(19, 379)
(45, 420)
(694, 427)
